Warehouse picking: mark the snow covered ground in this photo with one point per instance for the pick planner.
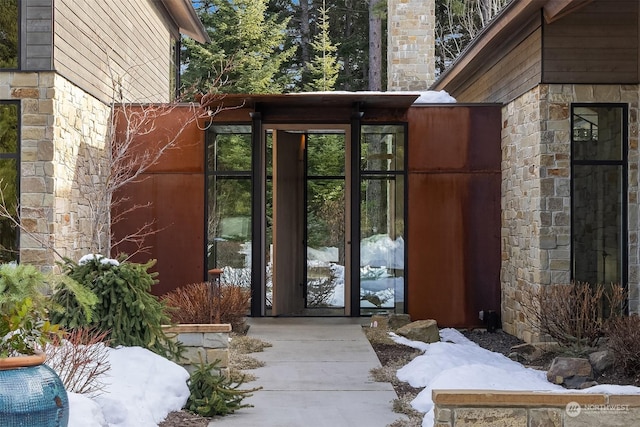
(141, 389)
(458, 363)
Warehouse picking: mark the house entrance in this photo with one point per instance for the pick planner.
(310, 217)
(307, 213)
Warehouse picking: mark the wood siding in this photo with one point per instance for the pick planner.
(36, 41)
(513, 69)
(595, 44)
(97, 42)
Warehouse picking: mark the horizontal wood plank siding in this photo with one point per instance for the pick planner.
(99, 42)
(595, 44)
(517, 71)
(37, 24)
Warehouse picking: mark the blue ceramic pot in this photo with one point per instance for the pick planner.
(32, 396)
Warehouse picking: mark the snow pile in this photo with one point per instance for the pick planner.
(141, 388)
(435, 97)
(458, 363)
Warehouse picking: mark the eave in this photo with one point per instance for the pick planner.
(513, 17)
(556, 9)
(186, 18)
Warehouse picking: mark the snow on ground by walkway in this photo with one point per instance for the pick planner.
(458, 363)
(141, 389)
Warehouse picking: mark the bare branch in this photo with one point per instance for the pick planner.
(15, 220)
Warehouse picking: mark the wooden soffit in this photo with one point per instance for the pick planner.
(556, 9)
(186, 18)
(389, 100)
(513, 17)
(329, 107)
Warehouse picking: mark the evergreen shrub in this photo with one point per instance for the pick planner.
(213, 393)
(126, 309)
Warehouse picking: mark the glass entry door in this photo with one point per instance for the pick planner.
(325, 223)
(307, 219)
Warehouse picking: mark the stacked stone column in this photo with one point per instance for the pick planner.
(411, 45)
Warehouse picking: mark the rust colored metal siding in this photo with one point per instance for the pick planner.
(174, 190)
(454, 213)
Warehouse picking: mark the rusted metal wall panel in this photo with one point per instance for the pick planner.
(174, 190)
(453, 213)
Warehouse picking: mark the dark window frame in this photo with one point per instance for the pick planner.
(366, 174)
(175, 76)
(225, 174)
(17, 157)
(18, 41)
(623, 162)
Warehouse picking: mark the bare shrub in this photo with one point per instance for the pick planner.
(209, 302)
(320, 291)
(624, 340)
(574, 315)
(80, 359)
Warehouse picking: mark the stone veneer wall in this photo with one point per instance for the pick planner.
(205, 343)
(58, 122)
(484, 408)
(536, 203)
(81, 130)
(411, 40)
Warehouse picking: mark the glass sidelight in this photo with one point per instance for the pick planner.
(228, 226)
(382, 218)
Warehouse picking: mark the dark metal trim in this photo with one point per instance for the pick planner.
(258, 213)
(405, 175)
(18, 158)
(354, 238)
(624, 163)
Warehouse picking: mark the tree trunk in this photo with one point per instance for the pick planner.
(375, 47)
(305, 32)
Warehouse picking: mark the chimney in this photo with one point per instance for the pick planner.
(411, 44)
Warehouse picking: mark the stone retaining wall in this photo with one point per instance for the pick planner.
(478, 408)
(203, 342)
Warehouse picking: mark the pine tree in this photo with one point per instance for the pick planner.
(247, 41)
(324, 68)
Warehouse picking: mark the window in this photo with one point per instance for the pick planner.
(9, 162)
(174, 69)
(229, 199)
(9, 34)
(598, 198)
(382, 218)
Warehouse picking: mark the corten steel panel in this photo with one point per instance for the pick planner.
(454, 247)
(181, 126)
(462, 138)
(177, 207)
(454, 213)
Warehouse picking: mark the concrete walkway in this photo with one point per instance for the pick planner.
(316, 375)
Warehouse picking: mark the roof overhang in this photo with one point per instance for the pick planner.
(388, 100)
(512, 18)
(186, 19)
(556, 9)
